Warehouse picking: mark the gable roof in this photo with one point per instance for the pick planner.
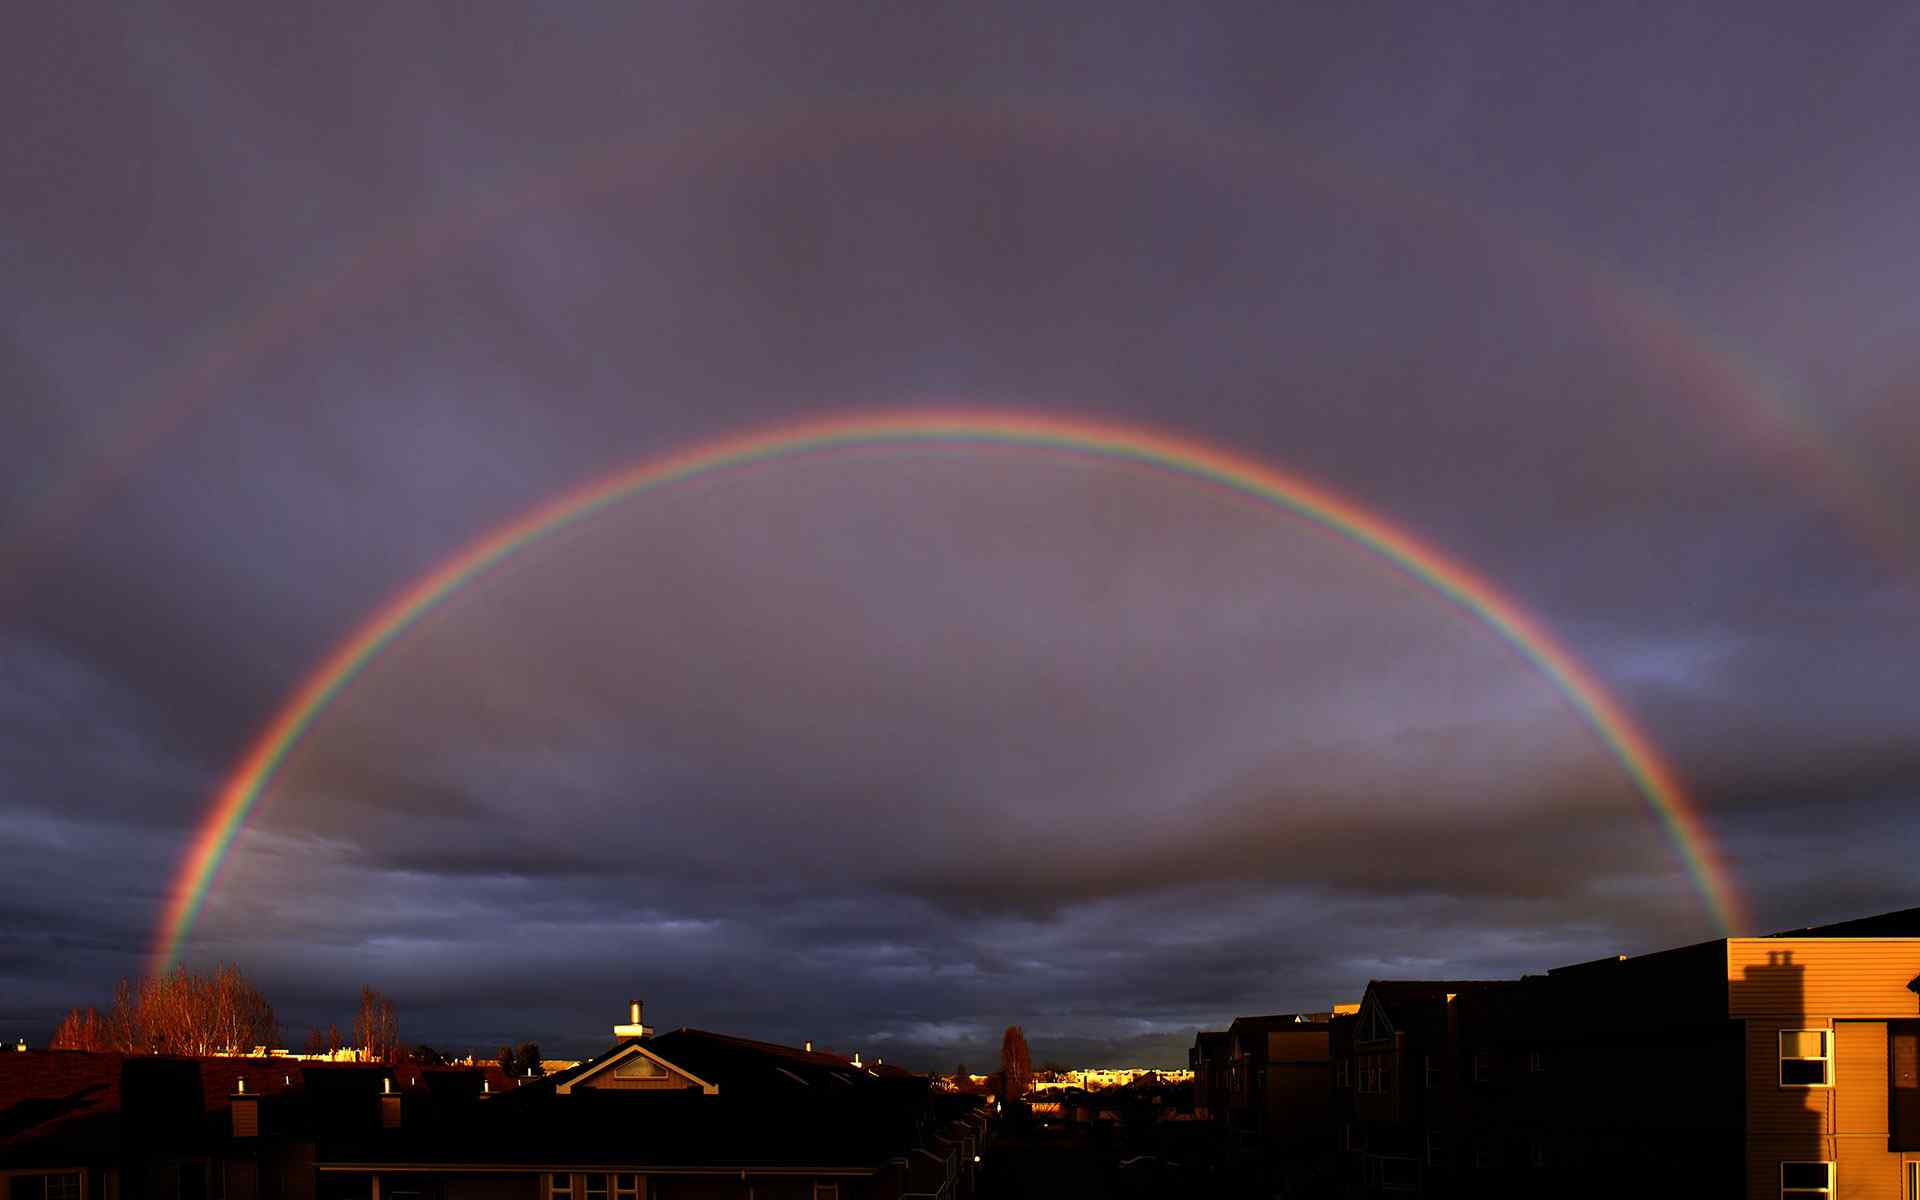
(1415, 1004)
(606, 1067)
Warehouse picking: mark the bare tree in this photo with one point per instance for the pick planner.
(1016, 1064)
(81, 1031)
(177, 1013)
(376, 1028)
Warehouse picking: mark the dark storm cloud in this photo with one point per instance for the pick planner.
(891, 749)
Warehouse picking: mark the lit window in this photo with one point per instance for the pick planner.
(1806, 1179)
(1806, 1058)
(559, 1187)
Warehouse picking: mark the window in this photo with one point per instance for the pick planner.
(1913, 1181)
(1432, 1070)
(1482, 1066)
(1806, 1179)
(1439, 1154)
(1486, 1153)
(1345, 1074)
(826, 1191)
(61, 1185)
(1354, 1138)
(1806, 1058)
(1536, 1062)
(626, 1187)
(596, 1187)
(559, 1187)
(1399, 1175)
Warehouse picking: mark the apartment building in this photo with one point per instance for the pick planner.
(1780, 1066)
(1207, 1058)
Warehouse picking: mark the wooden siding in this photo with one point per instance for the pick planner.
(1832, 977)
(1860, 1079)
(1864, 1170)
(1783, 1124)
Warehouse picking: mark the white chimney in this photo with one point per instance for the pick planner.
(634, 1028)
(809, 1047)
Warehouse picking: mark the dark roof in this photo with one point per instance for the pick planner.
(1416, 1003)
(1904, 923)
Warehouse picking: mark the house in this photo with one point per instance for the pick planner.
(685, 1114)
(1397, 1081)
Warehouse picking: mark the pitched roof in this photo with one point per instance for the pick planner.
(1903, 923)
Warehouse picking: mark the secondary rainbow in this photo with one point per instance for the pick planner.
(1636, 753)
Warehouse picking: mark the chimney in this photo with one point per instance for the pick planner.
(634, 1028)
(245, 1107)
(809, 1047)
(389, 1104)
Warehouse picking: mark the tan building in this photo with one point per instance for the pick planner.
(1764, 1067)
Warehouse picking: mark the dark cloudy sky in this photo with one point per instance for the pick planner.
(888, 749)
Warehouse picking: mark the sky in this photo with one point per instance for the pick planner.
(890, 746)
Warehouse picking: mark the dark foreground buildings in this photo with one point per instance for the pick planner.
(1772, 1067)
(682, 1114)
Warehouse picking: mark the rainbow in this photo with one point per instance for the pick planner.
(1757, 403)
(1654, 779)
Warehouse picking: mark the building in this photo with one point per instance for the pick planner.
(1207, 1058)
(1766, 1067)
(1398, 1083)
(684, 1114)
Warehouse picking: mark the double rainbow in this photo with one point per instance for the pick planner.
(1656, 781)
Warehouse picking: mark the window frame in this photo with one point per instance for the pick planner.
(1787, 1193)
(1537, 1062)
(1483, 1066)
(826, 1191)
(79, 1178)
(556, 1188)
(1825, 1060)
(1430, 1066)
